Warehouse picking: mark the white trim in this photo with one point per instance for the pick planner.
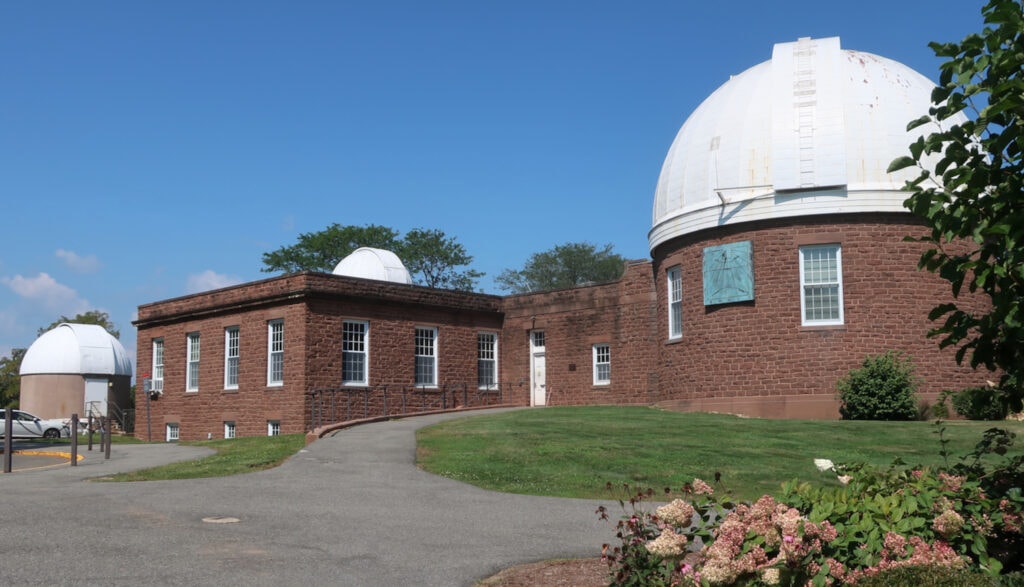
(192, 355)
(172, 432)
(598, 350)
(229, 429)
(273, 427)
(228, 332)
(157, 374)
(674, 296)
(830, 250)
(272, 352)
(421, 358)
(365, 352)
(492, 343)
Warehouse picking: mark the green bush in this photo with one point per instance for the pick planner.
(882, 389)
(980, 403)
(928, 576)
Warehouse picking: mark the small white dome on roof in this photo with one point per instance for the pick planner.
(812, 131)
(369, 263)
(85, 349)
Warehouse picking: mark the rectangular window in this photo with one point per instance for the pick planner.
(354, 352)
(426, 356)
(275, 352)
(821, 285)
(602, 364)
(273, 427)
(158, 364)
(231, 357)
(172, 432)
(192, 366)
(229, 429)
(487, 360)
(675, 302)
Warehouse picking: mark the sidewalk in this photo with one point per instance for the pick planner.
(349, 509)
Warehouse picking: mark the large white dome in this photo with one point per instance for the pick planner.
(370, 263)
(812, 131)
(85, 349)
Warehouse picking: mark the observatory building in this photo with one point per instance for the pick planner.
(777, 264)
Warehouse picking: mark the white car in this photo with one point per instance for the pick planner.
(25, 425)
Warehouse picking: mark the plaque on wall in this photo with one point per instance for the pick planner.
(729, 273)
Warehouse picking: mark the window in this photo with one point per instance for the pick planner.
(487, 360)
(675, 302)
(821, 285)
(231, 357)
(229, 429)
(426, 356)
(275, 352)
(158, 364)
(354, 351)
(172, 432)
(273, 427)
(192, 368)
(602, 364)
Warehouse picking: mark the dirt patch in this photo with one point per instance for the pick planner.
(582, 572)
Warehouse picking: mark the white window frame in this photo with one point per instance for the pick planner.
(275, 353)
(425, 355)
(814, 280)
(355, 348)
(192, 356)
(172, 431)
(229, 429)
(674, 279)
(231, 357)
(602, 353)
(487, 360)
(273, 427)
(157, 375)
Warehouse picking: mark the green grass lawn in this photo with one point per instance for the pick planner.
(576, 451)
(233, 456)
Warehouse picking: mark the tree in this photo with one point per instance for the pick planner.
(432, 258)
(973, 197)
(566, 265)
(321, 251)
(10, 377)
(91, 317)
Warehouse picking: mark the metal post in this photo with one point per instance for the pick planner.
(89, 428)
(106, 455)
(74, 440)
(8, 444)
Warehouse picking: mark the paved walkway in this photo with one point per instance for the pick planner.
(350, 509)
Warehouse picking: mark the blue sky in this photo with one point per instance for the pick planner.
(154, 149)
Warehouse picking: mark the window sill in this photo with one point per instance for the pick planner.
(820, 327)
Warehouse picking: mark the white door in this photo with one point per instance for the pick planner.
(538, 374)
(95, 397)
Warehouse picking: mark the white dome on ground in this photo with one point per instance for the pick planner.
(812, 131)
(369, 263)
(76, 349)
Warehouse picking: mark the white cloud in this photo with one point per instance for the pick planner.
(46, 290)
(78, 263)
(208, 280)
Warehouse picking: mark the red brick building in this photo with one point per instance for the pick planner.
(778, 263)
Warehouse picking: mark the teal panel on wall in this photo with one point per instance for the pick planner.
(729, 273)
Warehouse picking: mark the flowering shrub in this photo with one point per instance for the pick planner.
(966, 516)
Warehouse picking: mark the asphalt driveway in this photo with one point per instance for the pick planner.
(350, 509)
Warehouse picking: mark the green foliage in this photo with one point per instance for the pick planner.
(972, 194)
(10, 378)
(96, 317)
(896, 525)
(980, 403)
(564, 266)
(431, 257)
(882, 389)
(927, 576)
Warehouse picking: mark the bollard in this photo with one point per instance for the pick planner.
(74, 440)
(107, 431)
(90, 431)
(8, 444)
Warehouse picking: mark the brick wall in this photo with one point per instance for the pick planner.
(758, 353)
